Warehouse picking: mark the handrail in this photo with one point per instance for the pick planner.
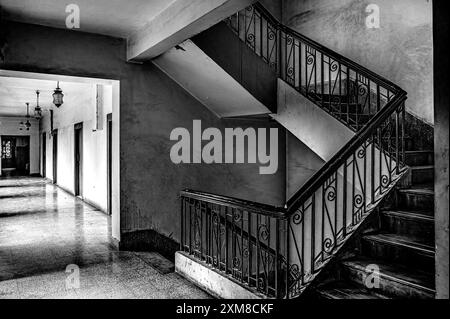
(399, 96)
(263, 209)
(380, 79)
(323, 173)
(239, 237)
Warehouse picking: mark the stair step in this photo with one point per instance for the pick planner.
(347, 290)
(395, 280)
(335, 98)
(408, 140)
(404, 241)
(422, 174)
(342, 108)
(419, 158)
(354, 118)
(401, 249)
(409, 224)
(416, 199)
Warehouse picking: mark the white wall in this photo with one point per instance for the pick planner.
(10, 126)
(401, 50)
(80, 107)
(314, 127)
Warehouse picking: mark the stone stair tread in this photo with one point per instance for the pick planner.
(426, 186)
(419, 151)
(347, 290)
(395, 272)
(401, 240)
(417, 215)
(422, 167)
(417, 190)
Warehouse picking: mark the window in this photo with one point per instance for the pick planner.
(6, 150)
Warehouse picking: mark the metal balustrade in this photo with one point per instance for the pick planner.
(242, 239)
(279, 251)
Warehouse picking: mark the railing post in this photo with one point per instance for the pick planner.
(403, 133)
(182, 225)
(344, 201)
(397, 142)
(226, 240)
(372, 169)
(277, 248)
(287, 225)
(279, 54)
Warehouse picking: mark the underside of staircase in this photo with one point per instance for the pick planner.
(363, 225)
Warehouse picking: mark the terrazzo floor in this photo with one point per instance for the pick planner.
(44, 230)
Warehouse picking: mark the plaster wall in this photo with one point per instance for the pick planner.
(400, 50)
(301, 164)
(151, 105)
(441, 149)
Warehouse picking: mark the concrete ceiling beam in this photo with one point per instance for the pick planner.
(178, 22)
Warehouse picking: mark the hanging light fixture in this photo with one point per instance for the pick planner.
(27, 124)
(58, 96)
(37, 109)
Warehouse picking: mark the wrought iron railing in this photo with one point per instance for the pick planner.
(241, 239)
(332, 204)
(348, 91)
(322, 215)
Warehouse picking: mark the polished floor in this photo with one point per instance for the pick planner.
(43, 230)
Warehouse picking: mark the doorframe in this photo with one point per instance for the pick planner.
(109, 130)
(44, 154)
(78, 165)
(116, 103)
(55, 155)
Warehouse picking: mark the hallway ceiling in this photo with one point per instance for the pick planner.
(15, 92)
(118, 18)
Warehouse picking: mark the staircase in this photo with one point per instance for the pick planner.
(368, 210)
(400, 243)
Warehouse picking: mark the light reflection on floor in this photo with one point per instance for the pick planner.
(44, 229)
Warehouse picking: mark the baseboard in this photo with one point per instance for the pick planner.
(214, 282)
(87, 201)
(94, 205)
(149, 240)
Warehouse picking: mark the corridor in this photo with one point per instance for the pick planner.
(43, 229)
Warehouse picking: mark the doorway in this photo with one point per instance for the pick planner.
(55, 156)
(44, 155)
(15, 155)
(109, 160)
(60, 168)
(78, 160)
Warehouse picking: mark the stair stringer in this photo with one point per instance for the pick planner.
(208, 82)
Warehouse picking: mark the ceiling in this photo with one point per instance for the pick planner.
(15, 92)
(118, 18)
